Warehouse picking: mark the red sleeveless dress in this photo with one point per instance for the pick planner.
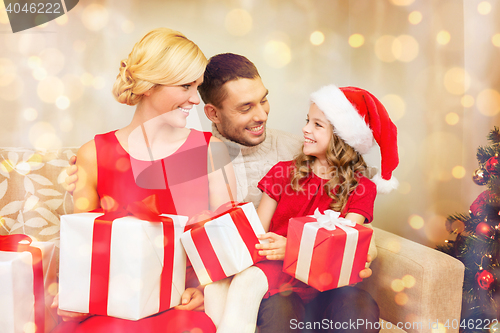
(181, 183)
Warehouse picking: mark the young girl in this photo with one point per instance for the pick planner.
(329, 174)
(154, 154)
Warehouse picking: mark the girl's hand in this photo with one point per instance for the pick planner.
(275, 249)
(191, 299)
(367, 272)
(68, 315)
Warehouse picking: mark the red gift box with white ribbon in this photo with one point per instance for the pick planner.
(325, 251)
(28, 280)
(225, 244)
(127, 264)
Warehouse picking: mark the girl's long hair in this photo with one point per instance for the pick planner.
(345, 165)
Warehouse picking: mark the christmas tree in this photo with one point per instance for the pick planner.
(477, 244)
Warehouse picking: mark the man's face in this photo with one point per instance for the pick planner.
(243, 113)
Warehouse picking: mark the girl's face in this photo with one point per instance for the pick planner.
(173, 103)
(317, 133)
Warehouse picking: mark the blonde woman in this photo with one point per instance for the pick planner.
(154, 154)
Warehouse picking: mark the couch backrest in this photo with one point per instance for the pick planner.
(32, 195)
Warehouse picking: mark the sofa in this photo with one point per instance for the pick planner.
(417, 288)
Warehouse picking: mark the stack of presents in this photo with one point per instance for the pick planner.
(131, 263)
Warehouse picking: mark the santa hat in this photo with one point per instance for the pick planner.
(359, 118)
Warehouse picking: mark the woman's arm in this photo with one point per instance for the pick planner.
(86, 199)
(85, 195)
(221, 177)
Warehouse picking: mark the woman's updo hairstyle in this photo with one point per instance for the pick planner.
(162, 57)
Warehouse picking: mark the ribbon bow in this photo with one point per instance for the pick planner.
(330, 219)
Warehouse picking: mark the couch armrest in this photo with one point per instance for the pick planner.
(436, 294)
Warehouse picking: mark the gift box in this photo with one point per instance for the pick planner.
(224, 244)
(126, 264)
(28, 280)
(326, 251)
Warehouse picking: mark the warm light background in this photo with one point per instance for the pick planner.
(433, 64)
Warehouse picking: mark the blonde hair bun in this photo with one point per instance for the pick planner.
(162, 57)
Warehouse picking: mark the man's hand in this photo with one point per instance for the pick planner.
(367, 272)
(68, 315)
(70, 181)
(191, 299)
(275, 249)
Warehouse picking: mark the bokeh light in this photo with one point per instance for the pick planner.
(416, 221)
(66, 124)
(405, 48)
(95, 17)
(443, 37)
(82, 203)
(73, 87)
(408, 281)
(496, 40)
(356, 40)
(435, 229)
(383, 48)
(39, 74)
(452, 118)
(394, 246)
(128, 26)
(50, 89)
(467, 101)
(397, 285)
(13, 90)
(42, 135)
(7, 72)
(415, 17)
(79, 45)
(30, 114)
(438, 155)
(441, 328)
(401, 299)
(98, 82)
(402, 2)
(488, 102)
(458, 172)
(238, 22)
(4, 18)
(31, 44)
(53, 288)
(404, 187)
(484, 8)
(457, 81)
(395, 105)
(29, 327)
(277, 54)
(62, 102)
(52, 60)
(317, 38)
(87, 79)
(62, 20)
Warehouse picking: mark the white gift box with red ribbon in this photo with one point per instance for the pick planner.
(136, 265)
(325, 251)
(17, 298)
(225, 245)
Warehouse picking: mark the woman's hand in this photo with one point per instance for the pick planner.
(68, 315)
(191, 299)
(275, 249)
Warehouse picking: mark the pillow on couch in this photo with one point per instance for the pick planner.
(32, 196)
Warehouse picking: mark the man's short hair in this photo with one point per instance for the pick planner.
(222, 68)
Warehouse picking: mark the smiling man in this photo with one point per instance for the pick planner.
(236, 103)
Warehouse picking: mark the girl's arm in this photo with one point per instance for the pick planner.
(372, 251)
(221, 178)
(266, 210)
(275, 249)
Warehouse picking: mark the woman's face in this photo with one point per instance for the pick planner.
(173, 103)
(317, 133)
